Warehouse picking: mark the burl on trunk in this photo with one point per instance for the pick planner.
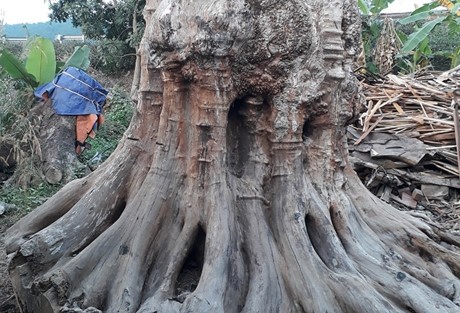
(232, 191)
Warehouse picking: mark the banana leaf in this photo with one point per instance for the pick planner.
(455, 9)
(14, 67)
(426, 7)
(379, 5)
(79, 58)
(41, 60)
(418, 36)
(414, 18)
(363, 7)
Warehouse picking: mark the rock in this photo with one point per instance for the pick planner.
(435, 191)
(417, 194)
(53, 175)
(5, 207)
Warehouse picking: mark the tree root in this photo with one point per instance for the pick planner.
(263, 217)
(340, 255)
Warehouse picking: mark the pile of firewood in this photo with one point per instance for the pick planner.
(405, 144)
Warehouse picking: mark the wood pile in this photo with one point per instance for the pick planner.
(405, 143)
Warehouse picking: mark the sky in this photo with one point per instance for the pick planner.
(24, 11)
(34, 11)
(404, 5)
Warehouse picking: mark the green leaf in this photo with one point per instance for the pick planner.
(453, 25)
(426, 7)
(14, 67)
(402, 36)
(418, 36)
(424, 47)
(41, 60)
(455, 8)
(414, 18)
(363, 7)
(79, 58)
(59, 66)
(378, 5)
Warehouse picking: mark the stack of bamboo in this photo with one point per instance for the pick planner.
(420, 108)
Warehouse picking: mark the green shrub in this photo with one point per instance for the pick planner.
(27, 199)
(15, 48)
(112, 56)
(443, 42)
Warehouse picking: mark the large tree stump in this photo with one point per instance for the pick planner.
(232, 191)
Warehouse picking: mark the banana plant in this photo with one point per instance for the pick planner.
(41, 66)
(432, 19)
(41, 60)
(364, 7)
(79, 58)
(371, 28)
(15, 68)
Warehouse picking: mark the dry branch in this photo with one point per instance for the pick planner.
(421, 106)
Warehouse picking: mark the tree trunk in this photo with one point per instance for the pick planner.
(231, 190)
(57, 139)
(137, 67)
(46, 150)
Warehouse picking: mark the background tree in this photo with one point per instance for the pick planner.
(232, 191)
(100, 19)
(117, 25)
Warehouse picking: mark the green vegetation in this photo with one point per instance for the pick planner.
(16, 128)
(117, 26)
(373, 7)
(117, 20)
(112, 56)
(41, 60)
(429, 37)
(426, 22)
(21, 201)
(117, 119)
(27, 199)
(40, 66)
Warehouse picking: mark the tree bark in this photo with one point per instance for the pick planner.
(137, 67)
(45, 152)
(231, 190)
(57, 141)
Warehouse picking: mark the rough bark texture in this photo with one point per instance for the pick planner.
(232, 191)
(46, 151)
(56, 137)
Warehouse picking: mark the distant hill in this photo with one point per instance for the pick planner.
(46, 29)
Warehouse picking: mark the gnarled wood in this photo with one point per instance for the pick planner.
(232, 190)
